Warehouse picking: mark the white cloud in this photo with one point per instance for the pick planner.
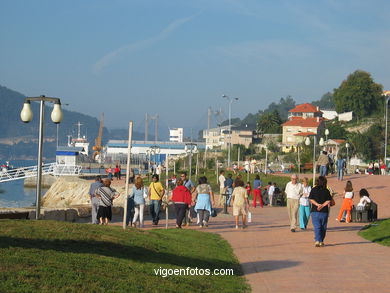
(110, 57)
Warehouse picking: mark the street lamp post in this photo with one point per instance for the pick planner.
(231, 100)
(190, 148)
(26, 115)
(326, 136)
(387, 110)
(321, 143)
(347, 164)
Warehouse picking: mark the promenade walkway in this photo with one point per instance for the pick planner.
(276, 260)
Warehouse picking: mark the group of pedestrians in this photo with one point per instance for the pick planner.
(314, 202)
(114, 172)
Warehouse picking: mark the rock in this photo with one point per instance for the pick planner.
(72, 191)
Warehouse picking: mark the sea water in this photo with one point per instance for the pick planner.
(14, 194)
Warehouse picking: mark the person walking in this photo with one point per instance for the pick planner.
(106, 195)
(382, 166)
(323, 161)
(304, 204)
(257, 191)
(340, 163)
(187, 183)
(271, 191)
(181, 196)
(221, 180)
(229, 188)
(320, 199)
(116, 172)
(347, 203)
(246, 166)
(94, 199)
(240, 203)
(139, 202)
(155, 193)
(204, 198)
(293, 191)
(253, 165)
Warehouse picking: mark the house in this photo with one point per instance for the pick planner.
(219, 137)
(304, 120)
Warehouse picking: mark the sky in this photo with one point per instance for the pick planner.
(176, 58)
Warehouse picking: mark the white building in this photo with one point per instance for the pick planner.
(329, 114)
(116, 150)
(176, 134)
(215, 137)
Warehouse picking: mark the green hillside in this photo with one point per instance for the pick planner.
(12, 128)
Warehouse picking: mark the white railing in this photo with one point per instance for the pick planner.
(26, 172)
(67, 170)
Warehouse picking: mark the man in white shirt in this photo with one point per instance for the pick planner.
(221, 180)
(294, 190)
(253, 165)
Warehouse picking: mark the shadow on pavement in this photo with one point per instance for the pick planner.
(268, 265)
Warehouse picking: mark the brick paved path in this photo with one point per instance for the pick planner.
(276, 260)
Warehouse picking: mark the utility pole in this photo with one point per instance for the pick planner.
(146, 127)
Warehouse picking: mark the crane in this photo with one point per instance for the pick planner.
(98, 141)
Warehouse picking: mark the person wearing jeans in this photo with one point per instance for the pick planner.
(229, 188)
(181, 196)
(156, 193)
(323, 162)
(340, 163)
(94, 200)
(320, 199)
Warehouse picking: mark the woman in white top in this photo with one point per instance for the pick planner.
(304, 204)
(364, 199)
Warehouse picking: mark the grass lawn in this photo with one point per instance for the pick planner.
(50, 256)
(378, 232)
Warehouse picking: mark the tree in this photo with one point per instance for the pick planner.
(336, 130)
(269, 123)
(360, 94)
(326, 102)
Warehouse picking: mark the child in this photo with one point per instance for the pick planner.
(347, 202)
(364, 199)
(248, 188)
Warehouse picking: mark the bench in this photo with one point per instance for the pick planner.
(369, 214)
(278, 199)
(307, 167)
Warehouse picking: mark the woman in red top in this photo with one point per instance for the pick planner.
(181, 196)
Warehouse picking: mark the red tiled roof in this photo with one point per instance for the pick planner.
(303, 122)
(305, 108)
(305, 134)
(338, 141)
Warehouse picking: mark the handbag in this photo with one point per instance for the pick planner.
(146, 194)
(249, 217)
(213, 213)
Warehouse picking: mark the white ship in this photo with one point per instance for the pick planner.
(80, 141)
